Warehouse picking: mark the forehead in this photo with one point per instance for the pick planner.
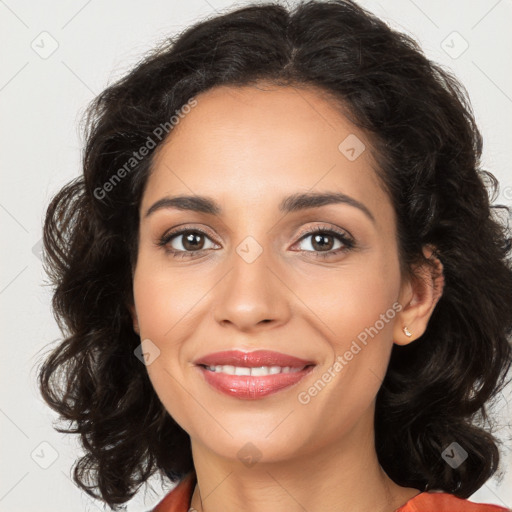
(245, 145)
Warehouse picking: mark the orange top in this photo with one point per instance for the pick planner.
(178, 500)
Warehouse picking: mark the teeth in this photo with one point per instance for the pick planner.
(258, 371)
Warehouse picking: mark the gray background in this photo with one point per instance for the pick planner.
(56, 57)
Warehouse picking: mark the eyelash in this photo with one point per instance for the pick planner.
(346, 240)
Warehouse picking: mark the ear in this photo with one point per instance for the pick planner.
(135, 320)
(419, 298)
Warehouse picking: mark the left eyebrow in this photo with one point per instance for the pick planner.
(292, 203)
(297, 202)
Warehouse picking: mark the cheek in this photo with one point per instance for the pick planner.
(167, 303)
(358, 302)
(359, 309)
(163, 299)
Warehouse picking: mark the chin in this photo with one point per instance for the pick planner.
(256, 440)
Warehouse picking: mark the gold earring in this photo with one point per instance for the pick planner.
(407, 332)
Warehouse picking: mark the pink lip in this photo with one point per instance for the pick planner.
(252, 387)
(252, 359)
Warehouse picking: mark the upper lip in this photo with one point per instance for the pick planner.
(252, 359)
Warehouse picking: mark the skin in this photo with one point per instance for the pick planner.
(248, 148)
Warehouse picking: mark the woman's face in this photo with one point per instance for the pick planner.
(255, 281)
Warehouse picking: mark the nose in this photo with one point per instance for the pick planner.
(251, 296)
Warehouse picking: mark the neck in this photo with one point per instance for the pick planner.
(331, 477)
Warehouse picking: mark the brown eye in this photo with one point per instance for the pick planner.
(190, 240)
(186, 242)
(324, 242)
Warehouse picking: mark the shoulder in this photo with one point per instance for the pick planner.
(444, 502)
(178, 499)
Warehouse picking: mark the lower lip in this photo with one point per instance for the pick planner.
(252, 388)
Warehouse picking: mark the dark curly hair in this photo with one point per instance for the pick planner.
(427, 145)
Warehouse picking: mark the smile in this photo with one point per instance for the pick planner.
(252, 375)
(257, 371)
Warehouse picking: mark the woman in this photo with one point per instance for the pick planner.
(280, 277)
